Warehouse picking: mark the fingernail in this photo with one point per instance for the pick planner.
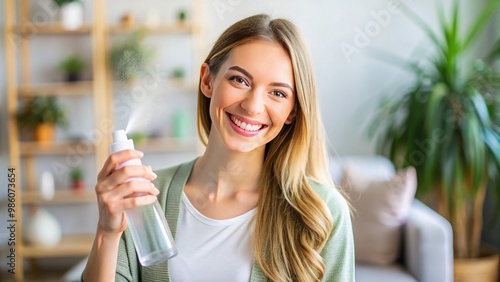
(154, 175)
(140, 154)
(157, 191)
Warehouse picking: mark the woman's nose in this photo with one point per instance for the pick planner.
(254, 102)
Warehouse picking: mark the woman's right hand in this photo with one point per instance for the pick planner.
(112, 190)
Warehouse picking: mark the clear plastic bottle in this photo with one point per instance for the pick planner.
(149, 228)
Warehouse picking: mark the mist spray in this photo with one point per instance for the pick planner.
(150, 231)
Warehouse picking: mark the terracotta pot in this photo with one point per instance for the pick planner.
(484, 268)
(45, 132)
(78, 185)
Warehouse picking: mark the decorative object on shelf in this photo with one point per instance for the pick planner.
(138, 137)
(130, 59)
(446, 126)
(47, 186)
(77, 179)
(72, 67)
(42, 229)
(178, 73)
(127, 20)
(71, 13)
(152, 18)
(42, 114)
(181, 124)
(181, 17)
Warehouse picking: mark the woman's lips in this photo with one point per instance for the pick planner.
(244, 126)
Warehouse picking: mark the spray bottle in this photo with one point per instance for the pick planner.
(149, 228)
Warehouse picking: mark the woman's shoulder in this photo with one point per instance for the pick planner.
(332, 197)
(169, 172)
(179, 172)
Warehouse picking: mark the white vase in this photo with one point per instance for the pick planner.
(42, 229)
(46, 185)
(71, 15)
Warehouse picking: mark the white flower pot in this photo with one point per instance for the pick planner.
(42, 229)
(71, 15)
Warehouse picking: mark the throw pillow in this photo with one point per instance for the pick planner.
(382, 207)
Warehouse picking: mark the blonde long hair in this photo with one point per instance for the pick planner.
(293, 223)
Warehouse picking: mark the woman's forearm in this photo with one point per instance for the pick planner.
(101, 265)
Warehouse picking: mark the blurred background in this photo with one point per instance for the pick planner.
(134, 65)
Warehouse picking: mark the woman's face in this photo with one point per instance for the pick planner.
(252, 95)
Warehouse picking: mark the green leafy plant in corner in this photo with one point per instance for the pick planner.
(446, 125)
(42, 109)
(130, 59)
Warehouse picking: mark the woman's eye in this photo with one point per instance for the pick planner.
(238, 80)
(278, 94)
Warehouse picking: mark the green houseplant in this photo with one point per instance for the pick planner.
(77, 178)
(72, 67)
(131, 58)
(446, 125)
(181, 17)
(63, 2)
(42, 114)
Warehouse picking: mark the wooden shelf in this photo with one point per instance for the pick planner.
(57, 89)
(56, 148)
(33, 29)
(168, 145)
(70, 245)
(66, 196)
(161, 29)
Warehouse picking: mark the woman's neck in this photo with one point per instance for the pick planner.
(226, 173)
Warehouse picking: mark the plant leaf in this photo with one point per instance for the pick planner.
(483, 18)
(421, 23)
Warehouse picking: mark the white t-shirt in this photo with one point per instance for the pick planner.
(212, 250)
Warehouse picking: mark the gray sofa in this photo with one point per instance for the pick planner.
(427, 249)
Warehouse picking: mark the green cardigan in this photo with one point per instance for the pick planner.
(338, 253)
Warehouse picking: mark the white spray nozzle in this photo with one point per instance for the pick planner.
(119, 135)
(121, 142)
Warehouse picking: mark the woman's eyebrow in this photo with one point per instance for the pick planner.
(282, 84)
(242, 70)
(279, 84)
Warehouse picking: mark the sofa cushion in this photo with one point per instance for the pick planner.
(391, 272)
(381, 209)
(374, 167)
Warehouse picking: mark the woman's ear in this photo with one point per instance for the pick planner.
(292, 115)
(206, 81)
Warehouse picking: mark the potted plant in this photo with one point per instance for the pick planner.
(77, 178)
(138, 137)
(42, 114)
(181, 18)
(71, 13)
(72, 68)
(130, 59)
(446, 126)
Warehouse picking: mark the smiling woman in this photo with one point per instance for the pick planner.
(259, 204)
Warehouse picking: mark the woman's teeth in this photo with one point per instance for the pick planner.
(247, 127)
